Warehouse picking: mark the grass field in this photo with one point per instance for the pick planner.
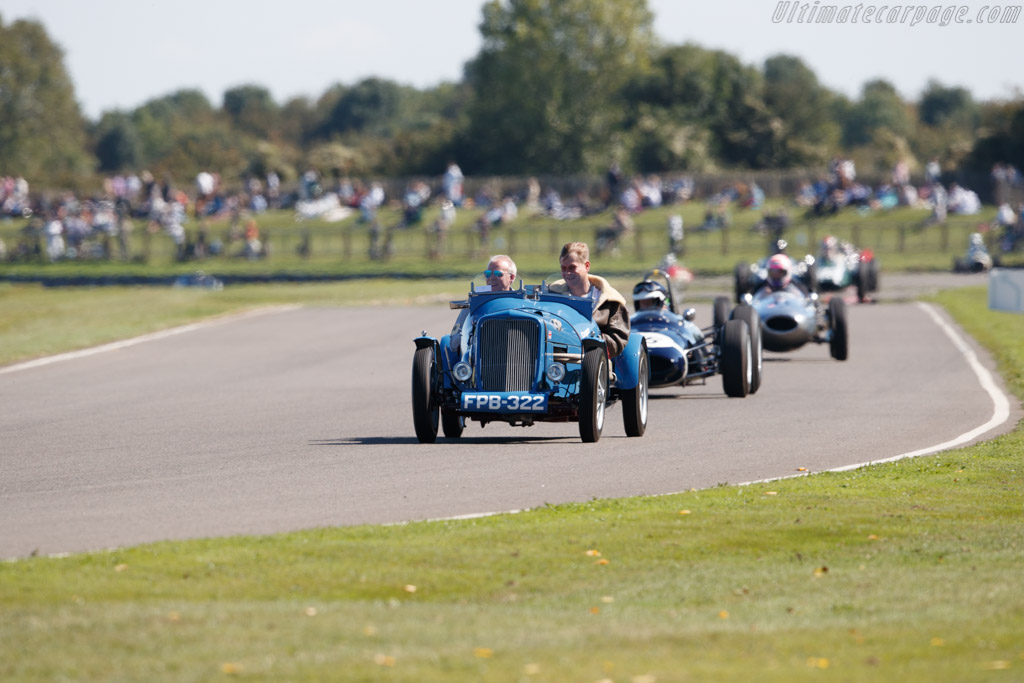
(907, 571)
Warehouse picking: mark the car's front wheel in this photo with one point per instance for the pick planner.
(736, 366)
(452, 424)
(593, 394)
(634, 401)
(424, 413)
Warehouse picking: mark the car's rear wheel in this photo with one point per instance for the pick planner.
(872, 280)
(736, 365)
(748, 315)
(452, 424)
(811, 278)
(741, 280)
(593, 394)
(720, 311)
(839, 337)
(424, 413)
(634, 401)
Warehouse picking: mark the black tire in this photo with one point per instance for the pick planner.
(811, 278)
(872, 283)
(634, 401)
(736, 365)
(838, 342)
(741, 280)
(593, 394)
(452, 424)
(720, 311)
(748, 315)
(424, 413)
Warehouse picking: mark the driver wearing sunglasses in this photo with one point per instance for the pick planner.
(500, 273)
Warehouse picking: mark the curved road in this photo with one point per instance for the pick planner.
(300, 418)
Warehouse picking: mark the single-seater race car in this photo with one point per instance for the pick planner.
(792, 315)
(748, 277)
(682, 353)
(841, 265)
(524, 356)
(977, 259)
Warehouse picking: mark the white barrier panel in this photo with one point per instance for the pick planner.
(1006, 290)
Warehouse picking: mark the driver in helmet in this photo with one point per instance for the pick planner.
(780, 272)
(830, 252)
(649, 296)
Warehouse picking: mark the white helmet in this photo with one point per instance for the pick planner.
(649, 294)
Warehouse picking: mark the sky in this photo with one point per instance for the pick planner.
(121, 54)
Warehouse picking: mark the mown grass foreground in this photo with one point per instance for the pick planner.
(908, 571)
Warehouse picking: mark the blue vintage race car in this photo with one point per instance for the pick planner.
(682, 353)
(524, 356)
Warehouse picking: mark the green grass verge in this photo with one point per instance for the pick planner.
(907, 571)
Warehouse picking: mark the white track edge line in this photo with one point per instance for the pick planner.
(1000, 404)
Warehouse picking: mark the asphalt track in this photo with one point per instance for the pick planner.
(300, 418)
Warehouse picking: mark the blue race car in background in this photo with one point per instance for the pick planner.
(525, 356)
(682, 353)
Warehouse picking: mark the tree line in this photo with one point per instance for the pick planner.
(556, 88)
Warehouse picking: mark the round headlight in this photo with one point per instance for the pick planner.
(462, 371)
(555, 372)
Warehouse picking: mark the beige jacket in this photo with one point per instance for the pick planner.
(610, 314)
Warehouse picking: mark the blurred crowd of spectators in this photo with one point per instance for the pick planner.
(134, 206)
(14, 198)
(841, 189)
(103, 225)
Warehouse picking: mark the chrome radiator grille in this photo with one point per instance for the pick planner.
(508, 355)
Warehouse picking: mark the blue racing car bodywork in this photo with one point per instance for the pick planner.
(524, 356)
(682, 353)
